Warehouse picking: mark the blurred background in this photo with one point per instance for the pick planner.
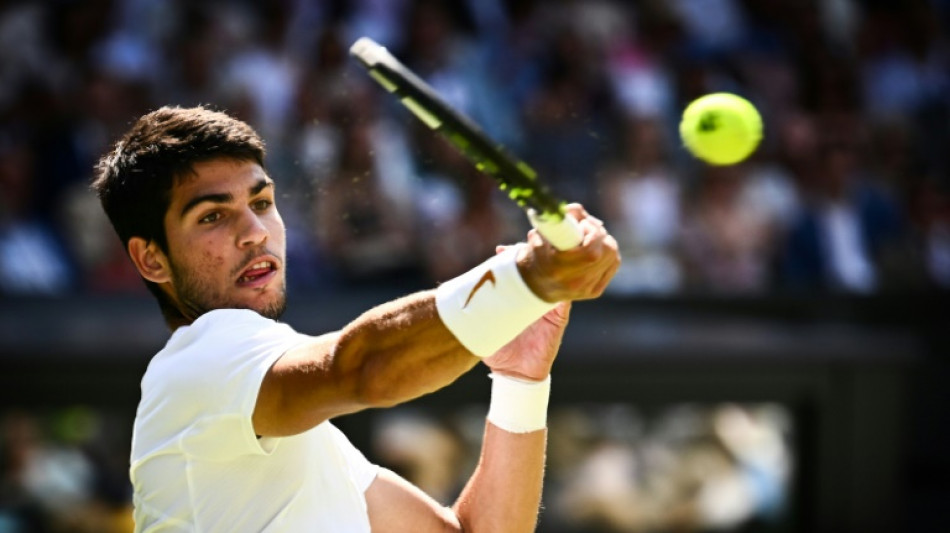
(771, 357)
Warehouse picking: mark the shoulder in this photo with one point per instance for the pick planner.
(224, 337)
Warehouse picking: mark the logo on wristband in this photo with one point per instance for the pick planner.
(486, 277)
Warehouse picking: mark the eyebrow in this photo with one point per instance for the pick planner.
(223, 198)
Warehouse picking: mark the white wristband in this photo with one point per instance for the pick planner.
(518, 405)
(488, 306)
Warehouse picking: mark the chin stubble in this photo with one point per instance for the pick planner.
(196, 298)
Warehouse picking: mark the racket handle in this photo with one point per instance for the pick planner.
(563, 234)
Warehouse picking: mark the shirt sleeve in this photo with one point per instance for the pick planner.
(220, 368)
(362, 472)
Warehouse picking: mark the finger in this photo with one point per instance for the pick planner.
(576, 210)
(591, 231)
(535, 238)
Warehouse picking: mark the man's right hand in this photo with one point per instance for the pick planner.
(581, 273)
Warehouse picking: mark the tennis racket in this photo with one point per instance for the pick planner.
(520, 181)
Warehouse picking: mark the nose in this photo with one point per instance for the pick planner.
(253, 231)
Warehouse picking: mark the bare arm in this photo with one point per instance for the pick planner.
(391, 354)
(503, 494)
(401, 350)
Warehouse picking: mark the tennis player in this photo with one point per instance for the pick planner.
(232, 432)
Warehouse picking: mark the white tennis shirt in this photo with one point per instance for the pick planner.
(196, 463)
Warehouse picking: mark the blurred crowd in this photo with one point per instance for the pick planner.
(612, 467)
(849, 191)
(616, 468)
(64, 471)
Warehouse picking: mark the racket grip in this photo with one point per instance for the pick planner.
(563, 234)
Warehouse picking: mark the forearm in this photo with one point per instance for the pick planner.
(400, 351)
(504, 492)
(391, 354)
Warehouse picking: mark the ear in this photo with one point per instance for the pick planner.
(149, 259)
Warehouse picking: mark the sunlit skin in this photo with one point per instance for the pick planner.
(222, 221)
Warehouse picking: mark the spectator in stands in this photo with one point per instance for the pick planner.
(727, 242)
(843, 230)
(641, 200)
(32, 259)
(366, 236)
(462, 214)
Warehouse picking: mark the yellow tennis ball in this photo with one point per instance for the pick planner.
(721, 128)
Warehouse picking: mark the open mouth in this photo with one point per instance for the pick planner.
(259, 271)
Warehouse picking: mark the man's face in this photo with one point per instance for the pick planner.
(226, 240)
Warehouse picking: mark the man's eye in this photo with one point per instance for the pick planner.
(210, 217)
(262, 205)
